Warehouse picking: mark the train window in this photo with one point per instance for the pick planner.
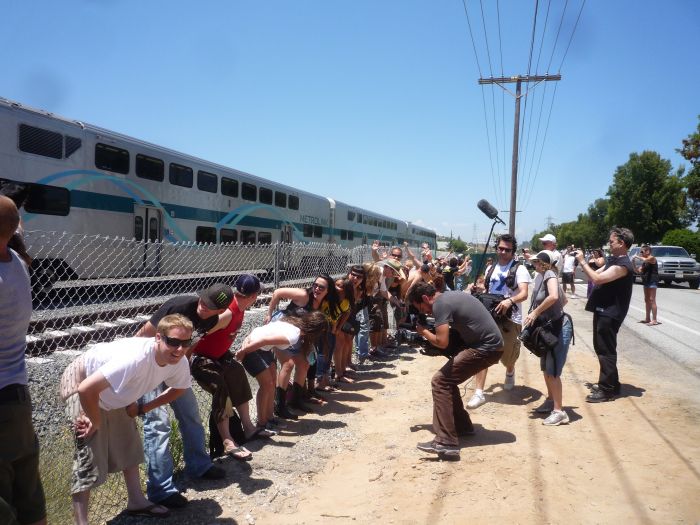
(153, 229)
(351, 235)
(247, 237)
(228, 235)
(138, 228)
(229, 187)
(351, 215)
(40, 141)
(308, 230)
(359, 217)
(249, 192)
(293, 202)
(318, 232)
(280, 199)
(73, 144)
(112, 159)
(180, 175)
(150, 168)
(264, 238)
(343, 235)
(47, 200)
(207, 181)
(205, 234)
(266, 195)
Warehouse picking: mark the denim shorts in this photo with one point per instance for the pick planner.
(553, 362)
(651, 285)
(258, 361)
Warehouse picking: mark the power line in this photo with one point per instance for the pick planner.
(572, 34)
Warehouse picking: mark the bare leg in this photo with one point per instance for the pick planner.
(285, 369)
(301, 367)
(244, 413)
(224, 432)
(264, 399)
(652, 305)
(134, 492)
(480, 379)
(80, 507)
(555, 390)
(270, 406)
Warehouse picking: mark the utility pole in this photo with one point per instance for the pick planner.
(518, 79)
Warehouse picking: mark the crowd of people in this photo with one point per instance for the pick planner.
(301, 352)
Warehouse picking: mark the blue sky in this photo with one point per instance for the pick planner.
(374, 102)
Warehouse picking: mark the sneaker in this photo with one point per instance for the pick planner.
(438, 448)
(174, 501)
(476, 401)
(557, 417)
(214, 472)
(546, 407)
(599, 396)
(509, 382)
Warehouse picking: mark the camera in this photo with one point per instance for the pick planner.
(525, 334)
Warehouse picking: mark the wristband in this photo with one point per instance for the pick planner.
(139, 404)
(512, 303)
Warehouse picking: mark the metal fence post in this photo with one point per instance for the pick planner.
(278, 259)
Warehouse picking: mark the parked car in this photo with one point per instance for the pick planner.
(675, 265)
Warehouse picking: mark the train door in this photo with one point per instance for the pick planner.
(147, 228)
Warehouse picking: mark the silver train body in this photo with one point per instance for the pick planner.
(91, 181)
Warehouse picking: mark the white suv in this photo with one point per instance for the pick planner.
(675, 265)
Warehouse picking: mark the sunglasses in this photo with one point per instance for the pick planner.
(176, 343)
(396, 255)
(316, 286)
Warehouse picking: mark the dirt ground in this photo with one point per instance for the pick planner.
(634, 460)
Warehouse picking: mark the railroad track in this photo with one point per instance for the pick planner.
(79, 315)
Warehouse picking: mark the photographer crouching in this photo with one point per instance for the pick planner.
(481, 346)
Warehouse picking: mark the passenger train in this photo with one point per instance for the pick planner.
(87, 180)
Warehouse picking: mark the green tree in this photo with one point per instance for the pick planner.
(691, 152)
(646, 197)
(689, 240)
(457, 245)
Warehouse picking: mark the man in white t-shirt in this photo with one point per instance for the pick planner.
(102, 388)
(568, 269)
(513, 285)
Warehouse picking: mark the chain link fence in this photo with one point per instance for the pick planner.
(89, 289)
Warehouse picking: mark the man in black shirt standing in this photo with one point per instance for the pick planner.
(609, 302)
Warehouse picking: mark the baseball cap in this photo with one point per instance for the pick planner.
(247, 284)
(548, 238)
(545, 256)
(217, 296)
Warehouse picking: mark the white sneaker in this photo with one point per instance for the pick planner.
(476, 401)
(546, 407)
(557, 417)
(509, 382)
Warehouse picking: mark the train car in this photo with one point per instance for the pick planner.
(87, 180)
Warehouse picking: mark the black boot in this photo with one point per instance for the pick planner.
(297, 397)
(281, 410)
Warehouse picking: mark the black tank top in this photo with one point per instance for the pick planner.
(650, 273)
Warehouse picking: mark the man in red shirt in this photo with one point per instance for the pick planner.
(217, 372)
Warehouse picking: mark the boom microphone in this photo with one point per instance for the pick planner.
(489, 211)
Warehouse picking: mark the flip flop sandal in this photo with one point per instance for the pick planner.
(232, 451)
(260, 433)
(149, 512)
